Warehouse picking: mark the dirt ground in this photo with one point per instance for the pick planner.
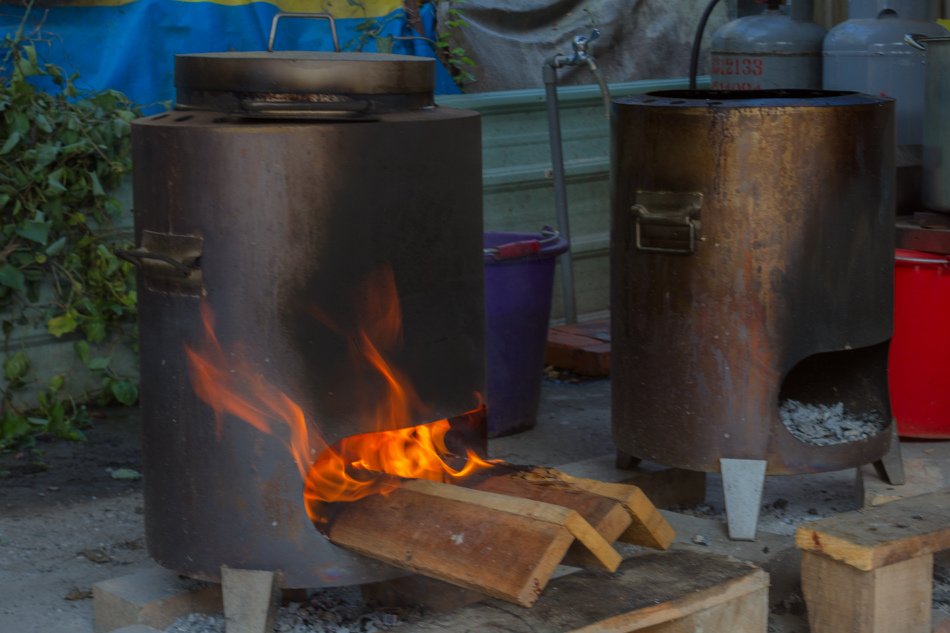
(66, 523)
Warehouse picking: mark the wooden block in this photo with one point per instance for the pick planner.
(874, 537)
(250, 599)
(502, 554)
(154, 597)
(580, 354)
(889, 599)
(669, 592)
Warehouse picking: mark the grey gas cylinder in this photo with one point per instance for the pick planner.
(769, 50)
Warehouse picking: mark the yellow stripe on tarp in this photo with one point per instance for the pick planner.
(337, 8)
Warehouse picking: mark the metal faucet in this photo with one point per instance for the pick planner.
(580, 44)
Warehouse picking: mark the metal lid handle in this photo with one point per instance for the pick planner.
(916, 40)
(311, 16)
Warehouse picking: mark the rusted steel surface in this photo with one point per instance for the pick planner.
(792, 253)
(292, 217)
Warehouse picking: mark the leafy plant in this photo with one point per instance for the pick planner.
(454, 57)
(61, 152)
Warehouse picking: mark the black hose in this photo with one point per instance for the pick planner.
(697, 40)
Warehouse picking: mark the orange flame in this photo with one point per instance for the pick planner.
(359, 465)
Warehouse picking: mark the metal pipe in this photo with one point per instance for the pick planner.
(560, 185)
(581, 57)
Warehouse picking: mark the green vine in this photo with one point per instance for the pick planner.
(455, 58)
(61, 154)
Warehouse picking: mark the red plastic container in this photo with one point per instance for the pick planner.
(919, 362)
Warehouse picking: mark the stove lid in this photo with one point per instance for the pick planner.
(301, 82)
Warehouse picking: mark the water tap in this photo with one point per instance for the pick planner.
(581, 57)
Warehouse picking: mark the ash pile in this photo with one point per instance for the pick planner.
(334, 610)
(824, 425)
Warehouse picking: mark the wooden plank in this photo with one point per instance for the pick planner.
(503, 554)
(923, 475)
(648, 527)
(676, 592)
(747, 613)
(607, 516)
(874, 537)
(602, 553)
(890, 599)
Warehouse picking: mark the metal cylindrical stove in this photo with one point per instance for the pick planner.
(752, 247)
(280, 182)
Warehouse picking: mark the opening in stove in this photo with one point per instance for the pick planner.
(837, 397)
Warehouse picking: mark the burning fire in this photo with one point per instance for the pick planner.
(360, 465)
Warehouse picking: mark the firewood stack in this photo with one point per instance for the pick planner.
(503, 532)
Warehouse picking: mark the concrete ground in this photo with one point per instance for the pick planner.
(53, 549)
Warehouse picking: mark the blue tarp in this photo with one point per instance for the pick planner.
(129, 45)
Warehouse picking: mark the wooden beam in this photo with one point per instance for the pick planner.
(875, 537)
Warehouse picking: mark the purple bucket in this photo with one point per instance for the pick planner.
(519, 278)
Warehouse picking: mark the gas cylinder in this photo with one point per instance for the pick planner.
(867, 53)
(771, 50)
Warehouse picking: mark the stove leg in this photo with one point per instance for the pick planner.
(890, 468)
(626, 461)
(250, 599)
(742, 481)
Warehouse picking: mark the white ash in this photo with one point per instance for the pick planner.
(824, 425)
(335, 610)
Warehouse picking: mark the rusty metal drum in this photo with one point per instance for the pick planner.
(277, 185)
(751, 263)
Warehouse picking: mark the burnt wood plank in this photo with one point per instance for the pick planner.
(598, 551)
(648, 527)
(502, 554)
(607, 516)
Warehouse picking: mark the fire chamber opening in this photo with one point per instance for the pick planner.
(361, 464)
(837, 397)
